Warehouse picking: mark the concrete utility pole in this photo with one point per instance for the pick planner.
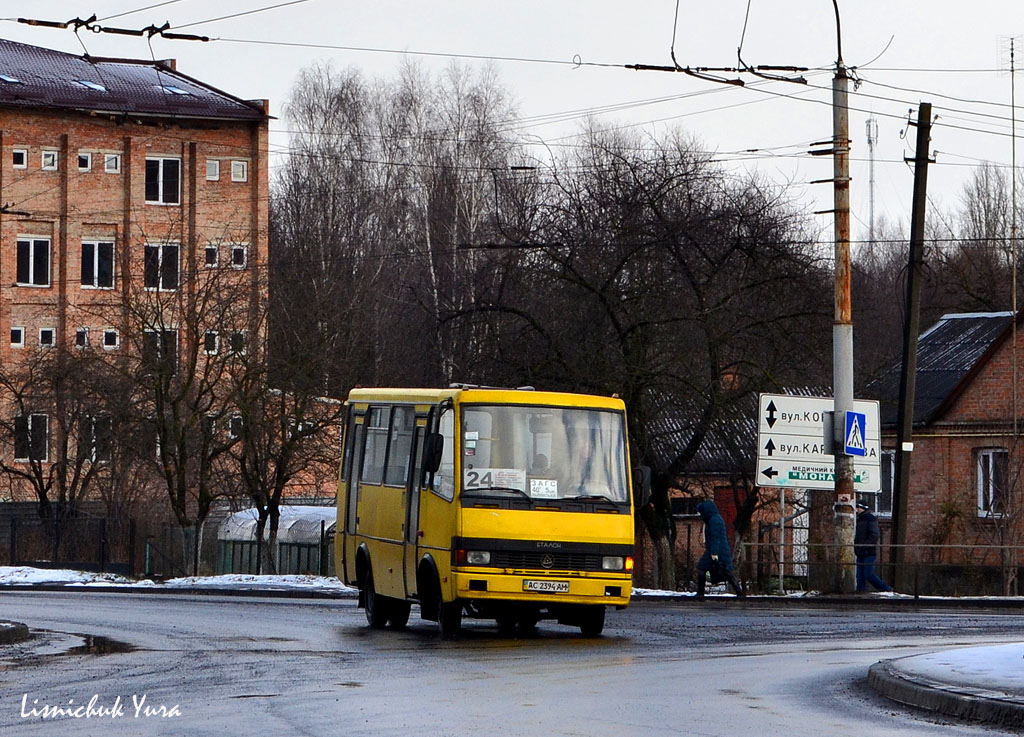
(842, 328)
(908, 369)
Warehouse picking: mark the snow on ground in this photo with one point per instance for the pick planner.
(25, 575)
(994, 667)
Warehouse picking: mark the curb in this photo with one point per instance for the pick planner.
(12, 632)
(974, 705)
(185, 591)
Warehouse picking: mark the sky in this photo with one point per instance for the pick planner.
(567, 60)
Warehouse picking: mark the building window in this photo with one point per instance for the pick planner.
(239, 171)
(235, 427)
(212, 170)
(82, 338)
(212, 256)
(163, 181)
(31, 438)
(211, 343)
(47, 337)
(239, 255)
(33, 262)
(112, 163)
(97, 265)
(19, 158)
(881, 503)
(17, 337)
(161, 267)
(237, 342)
(160, 348)
(84, 161)
(993, 467)
(50, 160)
(97, 434)
(111, 339)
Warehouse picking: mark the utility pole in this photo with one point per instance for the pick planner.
(842, 327)
(908, 370)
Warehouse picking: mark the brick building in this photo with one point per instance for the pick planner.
(120, 177)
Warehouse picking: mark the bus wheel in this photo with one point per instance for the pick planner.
(399, 614)
(449, 615)
(591, 621)
(376, 605)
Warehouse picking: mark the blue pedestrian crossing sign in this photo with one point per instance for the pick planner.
(855, 444)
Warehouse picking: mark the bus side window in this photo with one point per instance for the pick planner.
(358, 435)
(402, 422)
(376, 445)
(444, 479)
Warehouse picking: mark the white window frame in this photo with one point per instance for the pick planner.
(161, 194)
(986, 459)
(24, 158)
(96, 264)
(88, 161)
(216, 256)
(117, 339)
(90, 424)
(84, 343)
(239, 170)
(32, 240)
(49, 159)
(160, 267)
(245, 342)
(53, 338)
(244, 248)
(213, 170)
(235, 422)
(216, 342)
(46, 440)
(112, 163)
(21, 343)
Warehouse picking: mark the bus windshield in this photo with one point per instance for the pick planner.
(543, 453)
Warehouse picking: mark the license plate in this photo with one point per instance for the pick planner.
(547, 587)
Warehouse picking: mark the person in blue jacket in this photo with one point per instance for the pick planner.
(717, 556)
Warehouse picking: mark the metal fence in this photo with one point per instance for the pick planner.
(103, 544)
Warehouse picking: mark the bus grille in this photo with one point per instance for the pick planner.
(561, 561)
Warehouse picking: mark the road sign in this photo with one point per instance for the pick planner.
(795, 443)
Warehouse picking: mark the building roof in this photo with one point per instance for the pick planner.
(34, 77)
(948, 355)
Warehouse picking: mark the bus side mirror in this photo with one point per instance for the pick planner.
(642, 487)
(432, 449)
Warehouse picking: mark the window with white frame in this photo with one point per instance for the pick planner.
(19, 158)
(97, 265)
(881, 503)
(161, 266)
(82, 338)
(212, 170)
(211, 342)
(17, 336)
(235, 426)
(160, 349)
(47, 337)
(33, 267)
(50, 159)
(212, 256)
(112, 163)
(239, 255)
(163, 181)
(97, 434)
(31, 438)
(992, 472)
(237, 342)
(111, 339)
(84, 161)
(239, 171)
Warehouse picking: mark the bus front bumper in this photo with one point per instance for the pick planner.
(544, 588)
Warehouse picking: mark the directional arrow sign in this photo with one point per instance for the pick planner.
(794, 443)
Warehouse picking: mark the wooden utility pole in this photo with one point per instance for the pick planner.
(908, 370)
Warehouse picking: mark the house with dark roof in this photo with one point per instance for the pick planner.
(120, 178)
(962, 502)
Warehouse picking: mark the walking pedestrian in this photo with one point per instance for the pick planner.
(865, 548)
(717, 558)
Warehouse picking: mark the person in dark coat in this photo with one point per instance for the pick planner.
(865, 548)
(717, 556)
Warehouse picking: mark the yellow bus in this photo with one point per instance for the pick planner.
(507, 504)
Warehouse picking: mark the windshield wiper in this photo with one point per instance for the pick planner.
(477, 491)
(593, 498)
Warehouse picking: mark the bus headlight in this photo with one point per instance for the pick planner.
(613, 563)
(478, 557)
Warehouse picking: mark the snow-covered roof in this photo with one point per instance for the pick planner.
(298, 524)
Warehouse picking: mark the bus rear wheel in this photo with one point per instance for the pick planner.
(399, 614)
(377, 610)
(591, 621)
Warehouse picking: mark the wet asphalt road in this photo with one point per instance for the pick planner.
(250, 666)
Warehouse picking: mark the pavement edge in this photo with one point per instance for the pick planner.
(889, 681)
